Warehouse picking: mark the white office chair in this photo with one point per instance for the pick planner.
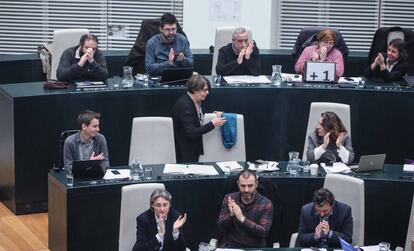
(342, 110)
(350, 190)
(213, 146)
(134, 201)
(224, 36)
(63, 39)
(410, 230)
(293, 238)
(152, 140)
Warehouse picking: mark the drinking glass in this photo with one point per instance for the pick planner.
(148, 173)
(384, 246)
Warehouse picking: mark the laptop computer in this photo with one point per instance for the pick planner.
(176, 76)
(409, 80)
(86, 169)
(370, 163)
(347, 246)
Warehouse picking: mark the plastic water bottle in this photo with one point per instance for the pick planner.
(276, 75)
(136, 171)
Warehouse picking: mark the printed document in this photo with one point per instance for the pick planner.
(189, 169)
(269, 166)
(246, 79)
(338, 167)
(119, 174)
(229, 166)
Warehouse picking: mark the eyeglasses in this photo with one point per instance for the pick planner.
(170, 29)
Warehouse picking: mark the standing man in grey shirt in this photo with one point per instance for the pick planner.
(88, 143)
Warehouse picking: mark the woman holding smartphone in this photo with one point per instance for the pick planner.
(391, 66)
(330, 142)
(188, 119)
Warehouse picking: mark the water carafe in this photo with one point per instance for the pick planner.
(293, 164)
(128, 79)
(276, 75)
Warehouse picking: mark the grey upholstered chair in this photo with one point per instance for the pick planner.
(224, 36)
(152, 140)
(63, 39)
(342, 110)
(213, 146)
(350, 190)
(134, 201)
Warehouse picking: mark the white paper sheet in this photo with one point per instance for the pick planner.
(246, 79)
(123, 174)
(338, 167)
(229, 166)
(270, 166)
(190, 169)
(229, 249)
(408, 168)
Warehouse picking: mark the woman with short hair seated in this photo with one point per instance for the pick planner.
(159, 228)
(323, 51)
(391, 66)
(330, 142)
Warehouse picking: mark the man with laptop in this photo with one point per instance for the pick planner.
(168, 49)
(88, 143)
(324, 221)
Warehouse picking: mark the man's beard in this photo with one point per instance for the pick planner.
(169, 38)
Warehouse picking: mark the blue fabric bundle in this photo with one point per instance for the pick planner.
(229, 130)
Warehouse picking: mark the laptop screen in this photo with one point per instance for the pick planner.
(87, 169)
(176, 75)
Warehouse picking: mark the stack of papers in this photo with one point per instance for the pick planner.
(408, 168)
(338, 167)
(297, 78)
(119, 174)
(86, 85)
(229, 166)
(247, 79)
(269, 166)
(182, 169)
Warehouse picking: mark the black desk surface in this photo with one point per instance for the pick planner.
(80, 215)
(275, 123)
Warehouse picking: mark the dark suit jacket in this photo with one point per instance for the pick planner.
(379, 44)
(340, 223)
(396, 74)
(147, 229)
(188, 131)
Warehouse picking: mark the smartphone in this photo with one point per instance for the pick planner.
(115, 172)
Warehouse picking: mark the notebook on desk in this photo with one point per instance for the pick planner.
(86, 169)
(369, 163)
(175, 76)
